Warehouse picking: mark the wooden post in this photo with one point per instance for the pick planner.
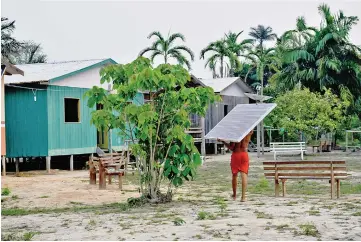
(203, 144)
(277, 188)
(48, 160)
(338, 188)
(17, 166)
(215, 147)
(283, 187)
(262, 136)
(71, 163)
(3, 162)
(346, 141)
(302, 150)
(332, 181)
(102, 181)
(120, 176)
(258, 140)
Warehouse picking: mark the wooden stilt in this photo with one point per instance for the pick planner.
(102, 181)
(16, 166)
(71, 163)
(332, 181)
(215, 147)
(3, 162)
(48, 160)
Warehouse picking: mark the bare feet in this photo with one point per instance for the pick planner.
(233, 197)
(243, 199)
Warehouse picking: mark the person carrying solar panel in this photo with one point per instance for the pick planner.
(239, 163)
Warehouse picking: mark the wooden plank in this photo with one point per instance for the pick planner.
(308, 178)
(338, 188)
(271, 168)
(305, 174)
(302, 162)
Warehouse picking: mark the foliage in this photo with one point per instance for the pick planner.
(262, 34)
(30, 53)
(203, 215)
(5, 191)
(18, 52)
(156, 128)
(301, 110)
(225, 52)
(166, 47)
(321, 57)
(178, 221)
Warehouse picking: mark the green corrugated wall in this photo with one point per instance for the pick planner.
(69, 138)
(26, 123)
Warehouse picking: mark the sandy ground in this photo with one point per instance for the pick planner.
(307, 213)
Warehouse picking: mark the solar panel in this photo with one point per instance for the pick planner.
(240, 121)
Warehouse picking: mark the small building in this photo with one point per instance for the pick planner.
(7, 69)
(233, 91)
(47, 113)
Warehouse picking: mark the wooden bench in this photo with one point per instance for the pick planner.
(288, 147)
(107, 165)
(333, 171)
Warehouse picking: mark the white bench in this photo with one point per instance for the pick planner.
(288, 147)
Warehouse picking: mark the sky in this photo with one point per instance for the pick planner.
(95, 29)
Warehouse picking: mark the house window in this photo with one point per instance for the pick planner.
(72, 110)
(225, 110)
(146, 97)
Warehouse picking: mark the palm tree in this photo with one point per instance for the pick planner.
(30, 53)
(167, 48)
(220, 54)
(327, 59)
(9, 45)
(262, 34)
(299, 36)
(264, 61)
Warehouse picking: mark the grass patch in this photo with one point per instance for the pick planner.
(197, 236)
(76, 203)
(178, 221)
(282, 226)
(291, 203)
(221, 204)
(308, 229)
(44, 197)
(349, 188)
(356, 214)
(5, 191)
(29, 235)
(261, 186)
(14, 197)
(105, 208)
(263, 215)
(314, 213)
(203, 215)
(18, 237)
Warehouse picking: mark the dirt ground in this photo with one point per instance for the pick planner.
(63, 206)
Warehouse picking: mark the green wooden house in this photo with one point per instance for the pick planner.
(47, 115)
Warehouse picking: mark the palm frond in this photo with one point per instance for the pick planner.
(157, 34)
(145, 50)
(186, 49)
(175, 36)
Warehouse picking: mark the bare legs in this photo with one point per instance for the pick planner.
(234, 185)
(244, 186)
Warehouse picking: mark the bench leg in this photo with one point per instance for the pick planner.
(120, 181)
(332, 187)
(338, 188)
(301, 154)
(277, 188)
(283, 187)
(93, 176)
(102, 181)
(274, 155)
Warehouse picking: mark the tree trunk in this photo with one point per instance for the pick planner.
(222, 67)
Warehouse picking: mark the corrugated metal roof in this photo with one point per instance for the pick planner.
(219, 84)
(47, 71)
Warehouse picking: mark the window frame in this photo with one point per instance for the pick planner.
(79, 113)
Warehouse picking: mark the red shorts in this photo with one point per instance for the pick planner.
(239, 162)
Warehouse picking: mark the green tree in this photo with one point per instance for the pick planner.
(9, 45)
(220, 53)
(262, 34)
(30, 53)
(326, 58)
(166, 47)
(301, 110)
(164, 152)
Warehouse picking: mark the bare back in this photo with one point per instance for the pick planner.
(243, 145)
